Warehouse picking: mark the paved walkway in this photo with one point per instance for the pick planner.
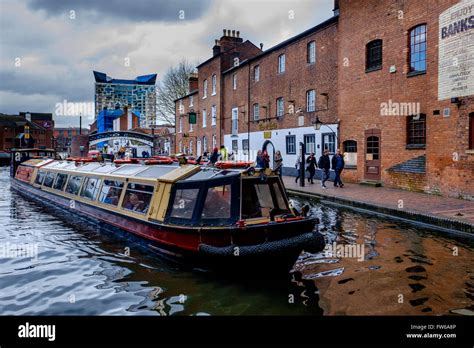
(394, 201)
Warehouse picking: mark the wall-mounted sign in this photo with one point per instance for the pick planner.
(267, 135)
(455, 54)
(267, 126)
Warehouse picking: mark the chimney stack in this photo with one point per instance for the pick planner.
(193, 82)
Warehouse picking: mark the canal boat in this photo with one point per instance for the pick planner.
(206, 217)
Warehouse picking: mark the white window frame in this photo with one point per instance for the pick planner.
(256, 73)
(213, 115)
(311, 52)
(235, 121)
(204, 118)
(191, 100)
(281, 63)
(180, 124)
(311, 100)
(214, 84)
(280, 111)
(234, 82)
(204, 87)
(256, 115)
(214, 142)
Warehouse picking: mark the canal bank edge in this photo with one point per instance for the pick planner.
(418, 218)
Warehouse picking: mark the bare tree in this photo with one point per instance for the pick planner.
(174, 85)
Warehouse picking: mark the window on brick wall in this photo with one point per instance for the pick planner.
(291, 144)
(311, 100)
(214, 142)
(181, 125)
(280, 107)
(471, 131)
(373, 56)
(256, 73)
(416, 131)
(204, 144)
(281, 63)
(256, 112)
(204, 87)
(350, 152)
(213, 115)
(417, 54)
(234, 81)
(214, 84)
(191, 100)
(311, 52)
(204, 118)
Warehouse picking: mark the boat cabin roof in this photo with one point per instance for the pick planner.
(165, 173)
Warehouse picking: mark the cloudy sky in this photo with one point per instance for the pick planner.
(48, 48)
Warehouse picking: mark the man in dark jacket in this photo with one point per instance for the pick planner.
(324, 164)
(338, 166)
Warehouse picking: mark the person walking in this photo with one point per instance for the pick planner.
(223, 152)
(324, 164)
(259, 162)
(278, 163)
(214, 156)
(298, 166)
(338, 165)
(311, 167)
(266, 159)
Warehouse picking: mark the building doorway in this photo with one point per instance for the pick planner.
(372, 154)
(270, 148)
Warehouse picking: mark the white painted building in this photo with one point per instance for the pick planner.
(286, 141)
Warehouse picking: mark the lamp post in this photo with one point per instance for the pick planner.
(302, 163)
(317, 126)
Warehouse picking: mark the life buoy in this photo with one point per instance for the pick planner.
(158, 161)
(233, 164)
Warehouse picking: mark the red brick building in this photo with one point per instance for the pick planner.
(206, 97)
(63, 137)
(14, 130)
(391, 81)
(398, 128)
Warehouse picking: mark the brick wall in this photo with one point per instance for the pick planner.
(361, 93)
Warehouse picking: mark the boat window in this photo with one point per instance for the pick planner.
(279, 196)
(217, 203)
(40, 176)
(137, 197)
(111, 191)
(90, 189)
(60, 181)
(262, 199)
(49, 179)
(74, 184)
(184, 202)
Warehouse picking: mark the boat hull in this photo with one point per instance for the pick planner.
(185, 246)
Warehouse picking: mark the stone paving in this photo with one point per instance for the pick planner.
(422, 203)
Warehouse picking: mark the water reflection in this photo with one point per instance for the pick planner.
(82, 271)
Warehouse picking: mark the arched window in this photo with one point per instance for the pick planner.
(373, 56)
(416, 131)
(350, 146)
(417, 57)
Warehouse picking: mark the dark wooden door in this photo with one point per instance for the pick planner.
(372, 154)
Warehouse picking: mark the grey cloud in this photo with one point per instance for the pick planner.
(136, 10)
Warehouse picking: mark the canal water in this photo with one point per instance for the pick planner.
(374, 267)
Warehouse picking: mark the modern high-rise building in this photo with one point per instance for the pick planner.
(138, 94)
